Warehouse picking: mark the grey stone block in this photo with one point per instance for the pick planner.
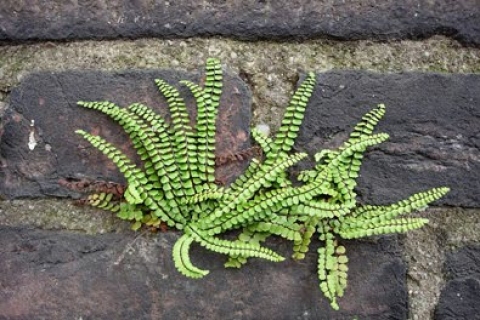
(49, 100)
(280, 19)
(62, 275)
(433, 121)
(434, 125)
(461, 295)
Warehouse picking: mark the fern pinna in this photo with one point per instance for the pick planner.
(176, 184)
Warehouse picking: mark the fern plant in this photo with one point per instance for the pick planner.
(176, 185)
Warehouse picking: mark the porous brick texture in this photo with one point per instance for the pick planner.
(64, 275)
(280, 19)
(40, 147)
(459, 298)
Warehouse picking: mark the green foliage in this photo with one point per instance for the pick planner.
(175, 184)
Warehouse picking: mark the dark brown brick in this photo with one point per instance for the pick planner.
(280, 19)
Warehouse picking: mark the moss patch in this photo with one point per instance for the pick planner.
(270, 68)
(57, 214)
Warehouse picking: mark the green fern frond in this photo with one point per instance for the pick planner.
(206, 125)
(175, 184)
(201, 136)
(293, 117)
(235, 262)
(237, 186)
(235, 248)
(369, 121)
(165, 156)
(103, 201)
(139, 189)
(176, 105)
(300, 246)
(279, 226)
(264, 141)
(160, 153)
(349, 157)
(237, 213)
(321, 209)
(308, 175)
(358, 145)
(268, 173)
(344, 167)
(266, 144)
(182, 261)
(210, 194)
(374, 220)
(247, 236)
(325, 156)
(400, 225)
(130, 212)
(213, 82)
(415, 202)
(124, 164)
(197, 93)
(131, 127)
(183, 141)
(141, 135)
(332, 267)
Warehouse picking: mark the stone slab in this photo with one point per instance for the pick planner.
(279, 19)
(62, 275)
(460, 297)
(434, 126)
(49, 100)
(433, 121)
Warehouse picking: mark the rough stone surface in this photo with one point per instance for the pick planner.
(39, 145)
(433, 121)
(434, 126)
(461, 295)
(442, 91)
(62, 275)
(372, 19)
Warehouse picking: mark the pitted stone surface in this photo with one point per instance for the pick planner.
(461, 295)
(62, 275)
(347, 20)
(433, 121)
(434, 125)
(39, 146)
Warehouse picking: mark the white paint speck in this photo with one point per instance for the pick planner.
(32, 143)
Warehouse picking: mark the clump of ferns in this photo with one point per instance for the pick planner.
(176, 185)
